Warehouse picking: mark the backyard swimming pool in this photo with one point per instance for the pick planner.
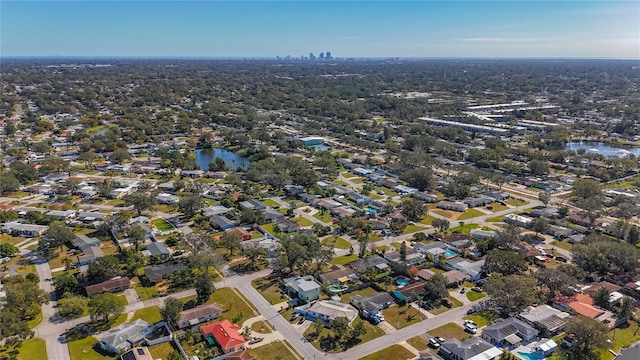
(371, 210)
(530, 356)
(402, 282)
(449, 253)
(338, 288)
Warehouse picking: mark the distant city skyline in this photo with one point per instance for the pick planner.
(267, 29)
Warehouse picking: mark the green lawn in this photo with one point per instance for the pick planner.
(357, 180)
(418, 342)
(261, 327)
(324, 217)
(83, 349)
(161, 351)
(162, 224)
(273, 351)
(409, 229)
(441, 309)
(270, 202)
(393, 352)
(150, 315)
(33, 349)
(268, 228)
(304, 221)
(372, 333)
(427, 220)
(364, 292)
(450, 330)
(516, 202)
(339, 242)
(17, 194)
(13, 240)
(146, 293)
(116, 202)
(470, 213)
(563, 245)
(342, 260)
(465, 229)
(483, 318)
(230, 302)
(473, 295)
(402, 316)
(495, 219)
(386, 191)
(269, 287)
(625, 335)
(495, 207)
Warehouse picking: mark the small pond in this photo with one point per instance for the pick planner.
(233, 160)
(593, 147)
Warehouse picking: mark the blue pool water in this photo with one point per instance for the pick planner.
(449, 253)
(402, 282)
(531, 356)
(371, 210)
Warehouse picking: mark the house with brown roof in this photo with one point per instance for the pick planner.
(338, 275)
(198, 315)
(225, 334)
(112, 286)
(242, 234)
(583, 305)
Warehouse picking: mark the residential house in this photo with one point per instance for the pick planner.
(370, 261)
(338, 275)
(473, 270)
(158, 249)
(91, 217)
(454, 278)
(304, 288)
(482, 234)
(225, 334)
(271, 215)
(156, 273)
(88, 256)
(215, 210)
(62, 215)
(546, 316)
(582, 220)
(509, 333)
(424, 197)
(327, 311)
(242, 234)
(252, 204)
(343, 211)
(519, 220)
(287, 225)
(167, 187)
(198, 315)
(137, 353)
(497, 195)
(478, 201)
(16, 228)
(192, 173)
(125, 337)
(450, 205)
(583, 305)
(425, 274)
(474, 348)
(403, 189)
(410, 292)
(413, 257)
(164, 198)
(370, 305)
(222, 222)
(378, 224)
(325, 203)
(83, 242)
(114, 285)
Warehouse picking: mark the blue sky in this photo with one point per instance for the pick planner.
(577, 29)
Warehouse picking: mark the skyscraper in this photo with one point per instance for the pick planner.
(311, 56)
(328, 55)
(321, 56)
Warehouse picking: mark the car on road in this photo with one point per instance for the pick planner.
(434, 343)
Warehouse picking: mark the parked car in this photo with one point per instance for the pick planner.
(470, 322)
(439, 339)
(302, 319)
(255, 340)
(447, 303)
(463, 290)
(434, 343)
(561, 258)
(294, 316)
(471, 328)
(476, 289)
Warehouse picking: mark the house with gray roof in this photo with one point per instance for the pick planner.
(474, 348)
(361, 265)
(88, 256)
(552, 319)
(222, 222)
(252, 204)
(124, 337)
(304, 288)
(215, 210)
(327, 311)
(16, 228)
(370, 305)
(158, 249)
(509, 333)
(156, 273)
(479, 201)
(450, 205)
(83, 242)
(422, 196)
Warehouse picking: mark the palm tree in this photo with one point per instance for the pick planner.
(66, 262)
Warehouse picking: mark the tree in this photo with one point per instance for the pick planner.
(601, 298)
(357, 331)
(440, 224)
(413, 209)
(539, 225)
(556, 281)
(419, 178)
(254, 252)
(7, 249)
(586, 189)
(544, 197)
(105, 307)
(506, 237)
(136, 235)
(71, 306)
(65, 283)
(513, 292)
(170, 312)
(140, 201)
(8, 183)
(23, 297)
(104, 267)
(57, 235)
(118, 156)
(626, 310)
(505, 262)
(340, 326)
(204, 287)
(563, 211)
(191, 204)
(436, 287)
(539, 167)
(218, 164)
(251, 216)
(230, 241)
(23, 172)
(588, 333)
(403, 251)
(88, 157)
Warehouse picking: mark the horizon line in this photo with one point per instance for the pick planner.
(291, 58)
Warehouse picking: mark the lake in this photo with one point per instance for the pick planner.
(233, 160)
(593, 147)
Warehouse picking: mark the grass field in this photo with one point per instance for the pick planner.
(473, 296)
(13, 240)
(150, 315)
(261, 327)
(161, 351)
(83, 349)
(146, 293)
(465, 229)
(162, 224)
(393, 352)
(273, 351)
(495, 219)
(268, 228)
(483, 318)
(324, 217)
(372, 333)
(342, 260)
(562, 245)
(339, 242)
(304, 221)
(33, 349)
(409, 229)
(270, 202)
(230, 302)
(441, 309)
(427, 220)
(418, 342)
(470, 214)
(495, 207)
(449, 331)
(17, 194)
(269, 288)
(516, 202)
(400, 317)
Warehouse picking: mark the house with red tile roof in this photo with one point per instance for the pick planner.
(225, 334)
(582, 304)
